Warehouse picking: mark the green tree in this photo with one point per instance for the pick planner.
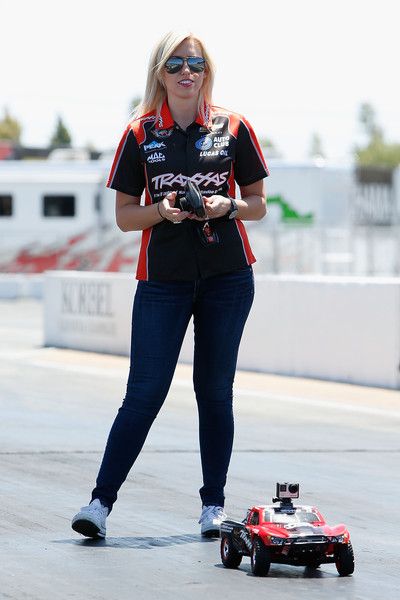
(10, 128)
(380, 154)
(376, 152)
(367, 118)
(61, 136)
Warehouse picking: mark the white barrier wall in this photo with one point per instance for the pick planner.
(15, 285)
(338, 328)
(88, 311)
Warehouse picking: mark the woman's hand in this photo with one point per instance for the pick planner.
(216, 206)
(169, 212)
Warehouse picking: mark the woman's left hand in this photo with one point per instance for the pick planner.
(216, 206)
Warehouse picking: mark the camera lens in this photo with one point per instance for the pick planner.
(293, 488)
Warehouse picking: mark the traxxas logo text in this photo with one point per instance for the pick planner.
(202, 179)
(245, 537)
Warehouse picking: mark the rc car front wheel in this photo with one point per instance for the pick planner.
(344, 559)
(260, 558)
(230, 557)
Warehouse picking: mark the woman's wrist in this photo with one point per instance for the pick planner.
(159, 211)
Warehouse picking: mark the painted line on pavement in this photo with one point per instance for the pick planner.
(187, 383)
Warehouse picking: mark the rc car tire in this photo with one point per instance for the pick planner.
(230, 557)
(260, 558)
(344, 559)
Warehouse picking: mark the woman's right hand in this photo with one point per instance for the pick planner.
(169, 212)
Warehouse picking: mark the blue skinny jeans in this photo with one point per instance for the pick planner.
(161, 312)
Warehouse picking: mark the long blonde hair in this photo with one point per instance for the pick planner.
(155, 92)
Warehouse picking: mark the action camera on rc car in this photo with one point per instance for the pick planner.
(287, 490)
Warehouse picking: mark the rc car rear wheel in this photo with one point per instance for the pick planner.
(345, 560)
(230, 557)
(260, 558)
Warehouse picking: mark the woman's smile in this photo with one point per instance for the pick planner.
(186, 82)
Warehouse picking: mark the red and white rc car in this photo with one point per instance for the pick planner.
(287, 534)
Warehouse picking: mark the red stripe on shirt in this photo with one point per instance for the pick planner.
(232, 186)
(255, 143)
(246, 245)
(147, 195)
(138, 131)
(142, 271)
(233, 124)
(138, 128)
(117, 156)
(165, 120)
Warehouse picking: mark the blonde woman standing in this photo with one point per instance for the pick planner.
(188, 265)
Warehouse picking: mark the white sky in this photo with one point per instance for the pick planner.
(291, 67)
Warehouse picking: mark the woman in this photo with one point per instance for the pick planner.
(188, 265)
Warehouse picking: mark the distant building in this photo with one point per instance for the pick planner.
(10, 150)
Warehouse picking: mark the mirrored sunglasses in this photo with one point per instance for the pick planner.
(196, 64)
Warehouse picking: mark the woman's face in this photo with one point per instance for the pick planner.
(184, 84)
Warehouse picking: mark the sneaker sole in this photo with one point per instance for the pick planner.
(88, 529)
(211, 533)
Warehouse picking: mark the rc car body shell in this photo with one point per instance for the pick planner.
(296, 535)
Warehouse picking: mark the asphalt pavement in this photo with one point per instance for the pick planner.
(341, 442)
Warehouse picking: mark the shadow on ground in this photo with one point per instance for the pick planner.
(139, 543)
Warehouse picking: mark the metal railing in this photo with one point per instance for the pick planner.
(356, 250)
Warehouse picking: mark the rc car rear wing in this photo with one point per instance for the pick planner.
(230, 526)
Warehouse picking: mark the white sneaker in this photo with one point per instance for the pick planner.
(91, 520)
(211, 519)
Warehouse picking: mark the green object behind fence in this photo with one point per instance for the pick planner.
(288, 214)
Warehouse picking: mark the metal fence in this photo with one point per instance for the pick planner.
(356, 250)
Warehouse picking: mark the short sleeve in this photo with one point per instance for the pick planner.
(127, 172)
(250, 165)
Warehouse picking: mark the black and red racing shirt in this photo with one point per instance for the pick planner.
(156, 156)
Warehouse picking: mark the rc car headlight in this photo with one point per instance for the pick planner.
(277, 541)
(339, 539)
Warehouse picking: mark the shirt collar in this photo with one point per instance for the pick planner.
(206, 120)
(165, 120)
